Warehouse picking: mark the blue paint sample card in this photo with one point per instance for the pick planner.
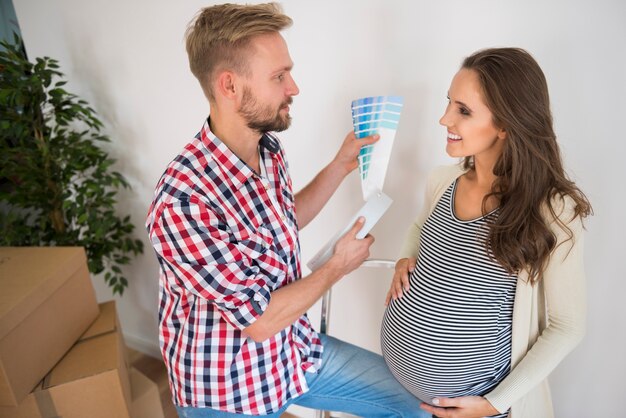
(371, 115)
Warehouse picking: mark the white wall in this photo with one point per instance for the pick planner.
(127, 59)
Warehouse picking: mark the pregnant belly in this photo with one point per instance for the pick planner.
(432, 359)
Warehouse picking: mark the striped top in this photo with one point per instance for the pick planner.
(450, 335)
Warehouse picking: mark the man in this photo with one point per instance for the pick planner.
(224, 223)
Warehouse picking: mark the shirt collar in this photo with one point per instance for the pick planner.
(269, 142)
(238, 171)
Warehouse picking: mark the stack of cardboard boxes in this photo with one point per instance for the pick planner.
(62, 354)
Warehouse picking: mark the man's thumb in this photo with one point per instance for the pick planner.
(357, 226)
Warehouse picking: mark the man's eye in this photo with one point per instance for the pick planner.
(281, 77)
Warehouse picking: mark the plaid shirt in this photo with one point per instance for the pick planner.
(225, 239)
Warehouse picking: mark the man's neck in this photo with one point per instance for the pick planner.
(235, 134)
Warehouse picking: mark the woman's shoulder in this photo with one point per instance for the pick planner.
(445, 174)
(563, 218)
(440, 178)
(561, 207)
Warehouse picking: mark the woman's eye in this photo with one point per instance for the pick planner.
(464, 111)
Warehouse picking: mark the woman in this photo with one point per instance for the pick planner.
(500, 238)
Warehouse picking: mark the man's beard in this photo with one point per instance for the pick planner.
(263, 119)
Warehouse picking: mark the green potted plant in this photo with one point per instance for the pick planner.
(57, 186)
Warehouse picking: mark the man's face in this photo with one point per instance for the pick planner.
(269, 89)
(264, 117)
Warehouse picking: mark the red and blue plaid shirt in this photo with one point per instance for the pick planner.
(225, 239)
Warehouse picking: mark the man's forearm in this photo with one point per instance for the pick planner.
(290, 302)
(311, 199)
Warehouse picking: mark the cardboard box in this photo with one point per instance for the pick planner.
(46, 302)
(90, 381)
(146, 397)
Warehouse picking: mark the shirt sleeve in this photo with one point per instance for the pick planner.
(565, 297)
(205, 258)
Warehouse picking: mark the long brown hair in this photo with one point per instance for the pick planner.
(529, 171)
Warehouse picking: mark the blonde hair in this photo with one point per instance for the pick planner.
(218, 38)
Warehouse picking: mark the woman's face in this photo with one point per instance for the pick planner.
(471, 131)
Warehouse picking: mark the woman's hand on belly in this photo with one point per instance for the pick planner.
(461, 407)
(400, 281)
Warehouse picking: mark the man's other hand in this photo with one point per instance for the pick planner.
(346, 158)
(351, 252)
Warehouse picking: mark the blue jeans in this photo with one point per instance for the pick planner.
(351, 380)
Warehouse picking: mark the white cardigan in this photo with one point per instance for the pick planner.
(548, 317)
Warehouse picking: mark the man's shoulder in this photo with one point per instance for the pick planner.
(189, 171)
(194, 156)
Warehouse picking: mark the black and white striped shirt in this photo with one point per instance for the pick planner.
(450, 335)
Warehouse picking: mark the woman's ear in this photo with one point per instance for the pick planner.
(502, 134)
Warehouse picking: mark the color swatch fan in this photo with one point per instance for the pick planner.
(371, 115)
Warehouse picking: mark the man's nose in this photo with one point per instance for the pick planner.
(293, 87)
